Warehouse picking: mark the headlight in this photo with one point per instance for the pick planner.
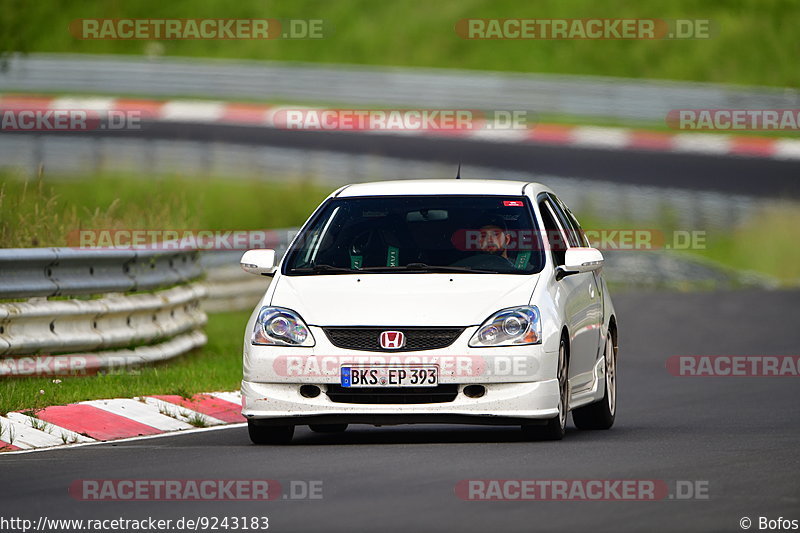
(510, 327)
(276, 326)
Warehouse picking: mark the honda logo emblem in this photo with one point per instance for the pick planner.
(392, 340)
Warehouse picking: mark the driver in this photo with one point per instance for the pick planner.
(494, 239)
(491, 247)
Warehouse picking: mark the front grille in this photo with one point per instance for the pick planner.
(368, 339)
(401, 395)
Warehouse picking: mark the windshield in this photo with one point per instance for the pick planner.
(471, 234)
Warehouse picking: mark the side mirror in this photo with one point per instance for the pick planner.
(259, 262)
(583, 259)
(579, 260)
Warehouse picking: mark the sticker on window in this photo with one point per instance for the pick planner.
(513, 203)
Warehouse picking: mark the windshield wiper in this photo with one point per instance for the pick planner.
(326, 268)
(430, 268)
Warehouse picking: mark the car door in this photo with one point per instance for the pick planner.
(582, 300)
(598, 275)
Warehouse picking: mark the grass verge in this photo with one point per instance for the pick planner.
(44, 211)
(764, 244)
(414, 33)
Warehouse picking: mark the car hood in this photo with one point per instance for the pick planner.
(401, 299)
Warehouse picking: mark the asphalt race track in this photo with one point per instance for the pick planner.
(755, 176)
(740, 435)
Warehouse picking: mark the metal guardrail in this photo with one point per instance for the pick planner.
(121, 328)
(618, 98)
(63, 336)
(68, 326)
(30, 272)
(89, 363)
(164, 323)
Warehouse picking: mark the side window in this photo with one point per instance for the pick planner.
(554, 233)
(574, 234)
(575, 224)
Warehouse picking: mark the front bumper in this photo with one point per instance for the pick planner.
(519, 380)
(503, 404)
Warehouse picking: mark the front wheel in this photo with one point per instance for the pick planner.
(262, 434)
(601, 415)
(556, 426)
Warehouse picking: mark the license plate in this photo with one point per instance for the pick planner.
(390, 376)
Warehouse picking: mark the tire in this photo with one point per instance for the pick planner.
(556, 426)
(260, 434)
(328, 428)
(601, 414)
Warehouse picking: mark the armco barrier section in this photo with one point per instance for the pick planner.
(115, 326)
(118, 325)
(91, 362)
(68, 326)
(29, 272)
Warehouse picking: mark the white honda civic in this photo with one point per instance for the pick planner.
(432, 301)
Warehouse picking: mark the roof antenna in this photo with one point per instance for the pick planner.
(458, 173)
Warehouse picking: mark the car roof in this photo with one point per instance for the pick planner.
(440, 187)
